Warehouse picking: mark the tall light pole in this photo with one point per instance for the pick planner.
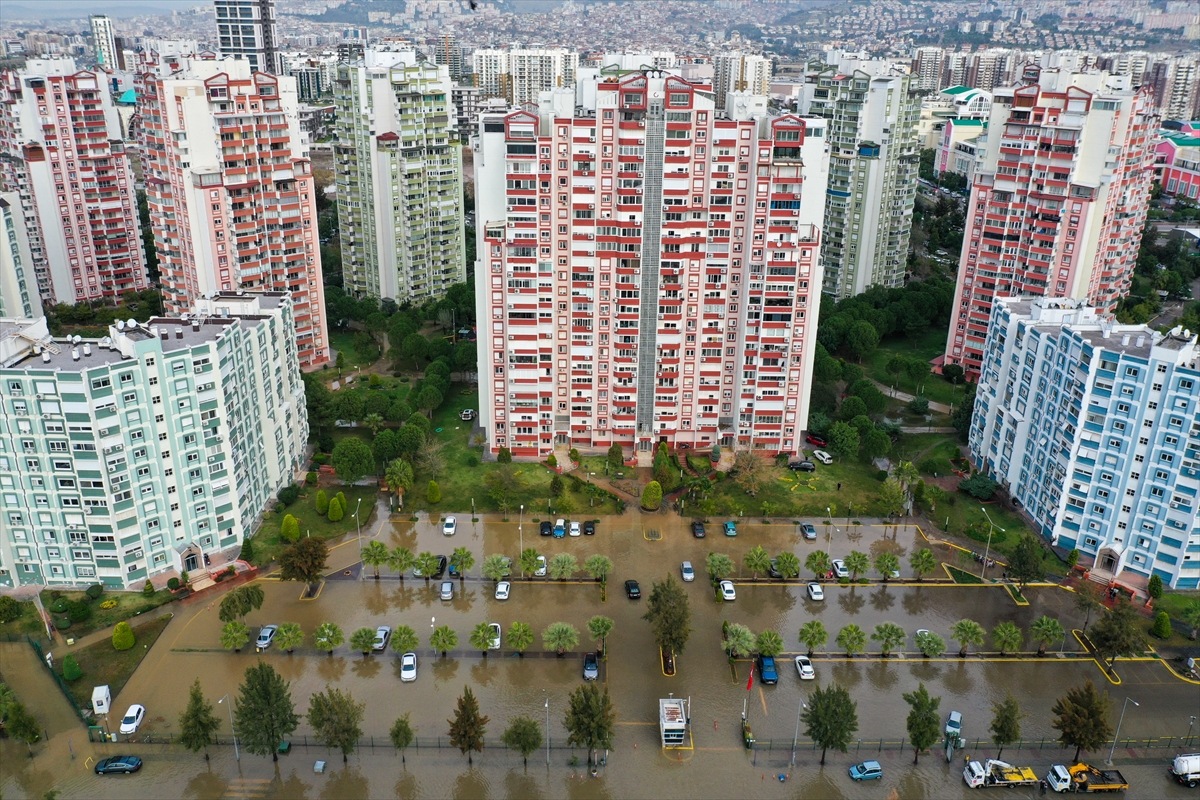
(521, 534)
(547, 730)
(988, 548)
(358, 522)
(796, 736)
(236, 752)
(1117, 735)
(1191, 722)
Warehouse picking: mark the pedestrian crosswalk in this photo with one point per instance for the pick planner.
(248, 787)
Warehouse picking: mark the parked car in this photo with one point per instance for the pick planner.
(731, 528)
(698, 530)
(467, 414)
(773, 570)
(687, 572)
(866, 771)
(591, 667)
(265, 637)
(382, 634)
(493, 636)
(589, 528)
(560, 528)
(133, 717)
(575, 528)
(804, 668)
(823, 457)
(632, 590)
(449, 526)
(545, 528)
(540, 572)
(802, 466)
(118, 765)
(447, 592)
(954, 724)
(815, 592)
(408, 667)
(443, 562)
(814, 439)
(728, 592)
(502, 590)
(507, 563)
(839, 568)
(766, 670)
(808, 531)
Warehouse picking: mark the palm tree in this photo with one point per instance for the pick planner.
(757, 560)
(922, 561)
(1007, 636)
(494, 567)
(563, 566)
(520, 636)
(768, 643)
(817, 563)
(404, 639)
(739, 641)
(289, 636)
(888, 634)
(718, 566)
(327, 636)
(787, 565)
(930, 644)
(857, 562)
(481, 635)
(401, 560)
(560, 637)
(906, 474)
(599, 568)
(600, 628)
(886, 564)
(399, 478)
(462, 560)
(852, 639)
(234, 635)
(375, 554)
(427, 564)
(363, 640)
(443, 639)
(813, 635)
(529, 561)
(967, 632)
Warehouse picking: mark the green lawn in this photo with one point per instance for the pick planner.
(798, 494)
(928, 346)
(267, 543)
(1174, 603)
(342, 340)
(101, 664)
(129, 604)
(29, 622)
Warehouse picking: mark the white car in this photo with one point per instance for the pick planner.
(502, 590)
(540, 572)
(265, 637)
(727, 591)
(688, 573)
(822, 456)
(449, 526)
(382, 634)
(839, 568)
(815, 592)
(574, 528)
(408, 667)
(804, 668)
(493, 636)
(133, 717)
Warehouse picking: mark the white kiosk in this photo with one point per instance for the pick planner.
(101, 700)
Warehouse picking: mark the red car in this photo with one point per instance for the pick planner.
(819, 441)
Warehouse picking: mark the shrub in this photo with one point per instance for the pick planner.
(472, 460)
(147, 589)
(652, 496)
(123, 638)
(59, 606)
(94, 591)
(574, 454)
(720, 475)
(1162, 626)
(881, 475)
(247, 553)
(71, 670)
(374, 381)
(289, 494)
(279, 507)
(172, 583)
(434, 493)
(290, 530)
(62, 623)
(504, 456)
(919, 405)
(336, 512)
(1155, 587)
(322, 502)
(311, 479)
(979, 486)
(552, 460)
(107, 604)
(78, 611)
(183, 578)
(10, 609)
(320, 458)
(341, 496)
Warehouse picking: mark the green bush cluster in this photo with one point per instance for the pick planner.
(122, 637)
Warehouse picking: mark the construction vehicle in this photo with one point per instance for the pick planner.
(1186, 769)
(1085, 778)
(997, 773)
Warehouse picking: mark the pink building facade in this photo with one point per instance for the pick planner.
(1177, 161)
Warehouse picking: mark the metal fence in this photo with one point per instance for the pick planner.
(1048, 743)
(37, 649)
(364, 743)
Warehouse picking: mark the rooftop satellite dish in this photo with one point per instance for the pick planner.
(120, 324)
(131, 323)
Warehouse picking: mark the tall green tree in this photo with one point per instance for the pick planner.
(923, 720)
(327, 636)
(1045, 631)
(599, 567)
(1119, 633)
(768, 643)
(968, 633)
(468, 726)
(443, 639)
(304, 561)
(719, 566)
(1007, 637)
(235, 635)
(930, 644)
(757, 560)
(889, 635)
(399, 474)
(462, 560)
(352, 459)
(858, 563)
(560, 637)
(669, 615)
(1081, 718)
(843, 440)
(563, 566)
(520, 636)
(198, 723)
(1088, 598)
(1006, 722)
(831, 718)
(263, 711)
(289, 636)
(404, 639)
(787, 564)
(480, 638)
(600, 628)
(336, 719)
(524, 735)
(818, 563)
(1025, 565)
(402, 735)
(922, 561)
(852, 639)
(813, 635)
(363, 640)
(22, 726)
(591, 719)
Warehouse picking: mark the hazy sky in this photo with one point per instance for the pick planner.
(11, 12)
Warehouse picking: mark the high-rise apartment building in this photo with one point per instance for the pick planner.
(740, 72)
(1092, 426)
(138, 453)
(104, 42)
(1059, 199)
(61, 152)
(1176, 82)
(648, 269)
(521, 74)
(230, 187)
(399, 178)
(448, 53)
(928, 68)
(873, 110)
(247, 29)
(18, 289)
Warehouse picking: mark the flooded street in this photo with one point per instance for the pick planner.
(643, 548)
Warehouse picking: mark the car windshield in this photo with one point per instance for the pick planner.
(129, 718)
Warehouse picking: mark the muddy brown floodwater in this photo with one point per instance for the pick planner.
(642, 548)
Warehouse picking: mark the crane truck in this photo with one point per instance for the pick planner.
(997, 773)
(1085, 778)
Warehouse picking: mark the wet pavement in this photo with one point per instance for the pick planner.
(646, 548)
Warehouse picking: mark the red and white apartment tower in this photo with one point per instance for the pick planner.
(230, 188)
(1058, 201)
(648, 268)
(61, 151)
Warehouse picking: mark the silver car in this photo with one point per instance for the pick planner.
(447, 590)
(688, 573)
(265, 637)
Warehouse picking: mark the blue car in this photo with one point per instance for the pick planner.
(866, 771)
(560, 528)
(766, 670)
(730, 529)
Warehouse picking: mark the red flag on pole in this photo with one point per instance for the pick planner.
(750, 683)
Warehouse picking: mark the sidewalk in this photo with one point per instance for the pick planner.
(898, 395)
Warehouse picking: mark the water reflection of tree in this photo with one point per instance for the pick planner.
(851, 601)
(346, 782)
(958, 679)
(927, 671)
(444, 669)
(914, 783)
(291, 667)
(520, 785)
(471, 783)
(376, 599)
(292, 787)
(586, 789)
(404, 534)
(464, 600)
(484, 670)
(882, 599)
(206, 784)
(331, 668)
(881, 546)
(916, 601)
(367, 667)
(882, 675)
(847, 673)
(826, 783)
(403, 597)
(407, 787)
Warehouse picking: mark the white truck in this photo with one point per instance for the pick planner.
(997, 773)
(1186, 769)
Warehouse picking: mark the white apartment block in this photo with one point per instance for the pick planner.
(521, 74)
(648, 269)
(136, 454)
(247, 29)
(873, 110)
(61, 152)
(398, 163)
(104, 42)
(18, 287)
(1093, 428)
(740, 72)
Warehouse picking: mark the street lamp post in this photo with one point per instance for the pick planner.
(1191, 722)
(236, 752)
(796, 736)
(358, 522)
(521, 532)
(987, 549)
(1117, 735)
(547, 730)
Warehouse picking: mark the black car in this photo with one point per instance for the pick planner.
(545, 528)
(632, 590)
(589, 528)
(773, 570)
(803, 466)
(118, 764)
(698, 530)
(443, 562)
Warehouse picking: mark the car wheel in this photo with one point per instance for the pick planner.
(128, 771)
